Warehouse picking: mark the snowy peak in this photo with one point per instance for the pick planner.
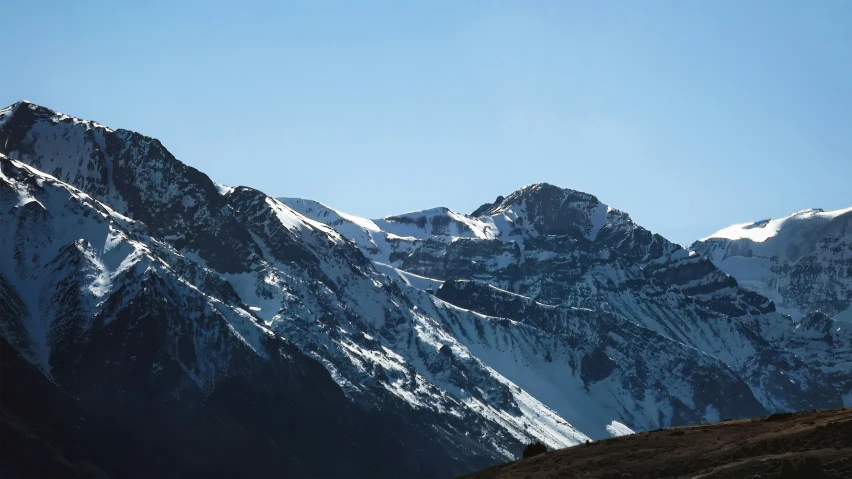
(549, 197)
(787, 239)
(538, 210)
(22, 115)
(800, 261)
(550, 210)
(134, 174)
(543, 209)
(764, 230)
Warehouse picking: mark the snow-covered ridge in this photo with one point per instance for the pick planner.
(531, 212)
(761, 231)
(803, 263)
(56, 117)
(797, 261)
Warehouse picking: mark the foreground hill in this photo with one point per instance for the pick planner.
(801, 445)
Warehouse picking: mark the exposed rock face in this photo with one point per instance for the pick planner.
(133, 174)
(611, 360)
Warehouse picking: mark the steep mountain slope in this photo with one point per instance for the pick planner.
(569, 250)
(199, 383)
(565, 248)
(587, 363)
(803, 262)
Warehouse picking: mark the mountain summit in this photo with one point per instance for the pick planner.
(802, 261)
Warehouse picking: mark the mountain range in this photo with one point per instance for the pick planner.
(158, 323)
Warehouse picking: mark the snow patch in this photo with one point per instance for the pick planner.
(616, 429)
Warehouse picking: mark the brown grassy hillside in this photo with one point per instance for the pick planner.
(801, 445)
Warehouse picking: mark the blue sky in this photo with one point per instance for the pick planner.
(688, 115)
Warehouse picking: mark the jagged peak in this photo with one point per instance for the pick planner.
(29, 112)
(15, 107)
(546, 188)
(545, 194)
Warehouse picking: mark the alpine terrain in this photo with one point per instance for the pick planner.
(155, 323)
(803, 262)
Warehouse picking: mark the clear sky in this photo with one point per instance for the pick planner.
(689, 115)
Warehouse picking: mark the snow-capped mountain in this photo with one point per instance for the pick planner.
(110, 317)
(803, 262)
(174, 325)
(181, 310)
(566, 249)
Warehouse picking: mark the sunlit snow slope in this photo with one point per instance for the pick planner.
(803, 262)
